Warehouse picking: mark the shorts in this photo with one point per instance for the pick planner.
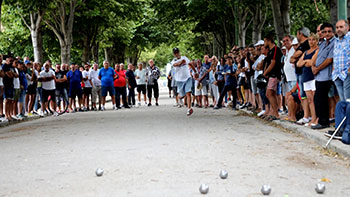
(301, 86)
(296, 98)
(254, 85)
(47, 93)
(272, 84)
(284, 88)
(141, 88)
(22, 96)
(75, 93)
(200, 92)
(310, 85)
(332, 91)
(184, 87)
(290, 85)
(87, 91)
(9, 93)
(279, 88)
(175, 90)
(16, 94)
(31, 89)
(109, 89)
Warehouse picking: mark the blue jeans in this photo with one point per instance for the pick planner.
(39, 95)
(342, 110)
(343, 88)
(301, 86)
(264, 99)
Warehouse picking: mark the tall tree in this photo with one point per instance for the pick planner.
(61, 23)
(281, 19)
(259, 11)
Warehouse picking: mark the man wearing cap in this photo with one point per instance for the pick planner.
(302, 35)
(258, 47)
(183, 77)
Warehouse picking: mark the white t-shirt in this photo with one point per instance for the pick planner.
(142, 75)
(258, 72)
(16, 83)
(289, 68)
(94, 77)
(182, 73)
(1, 83)
(87, 82)
(48, 85)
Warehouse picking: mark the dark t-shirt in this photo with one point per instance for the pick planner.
(274, 54)
(74, 79)
(131, 78)
(302, 47)
(8, 82)
(60, 75)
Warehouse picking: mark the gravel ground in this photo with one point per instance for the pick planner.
(158, 151)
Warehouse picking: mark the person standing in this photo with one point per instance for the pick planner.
(61, 84)
(273, 72)
(141, 83)
(96, 87)
(107, 75)
(120, 86)
(230, 82)
(153, 75)
(183, 77)
(88, 86)
(47, 78)
(323, 75)
(130, 77)
(341, 62)
(75, 77)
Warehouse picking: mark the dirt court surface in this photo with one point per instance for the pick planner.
(158, 151)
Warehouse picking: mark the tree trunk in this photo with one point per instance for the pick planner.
(280, 11)
(65, 53)
(94, 52)
(333, 11)
(0, 15)
(106, 54)
(86, 51)
(258, 21)
(37, 42)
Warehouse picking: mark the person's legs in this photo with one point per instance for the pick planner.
(123, 92)
(321, 100)
(156, 92)
(291, 108)
(346, 86)
(138, 89)
(117, 96)
(340, 111)
(222, 95)
(149, 93)
(340, 88)
(310, 99)
(112, 93)
(94, 96)
(271, 95)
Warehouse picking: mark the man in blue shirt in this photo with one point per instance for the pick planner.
(323, 75)
(107, 76)
(74, 78)
(230, 82)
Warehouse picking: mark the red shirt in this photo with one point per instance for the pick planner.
(120, 82)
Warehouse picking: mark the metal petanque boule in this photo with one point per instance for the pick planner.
(320, 188)
(266, 189)
(223, 174)
(204, 188)
(99, 172)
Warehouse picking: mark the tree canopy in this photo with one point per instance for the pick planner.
(136, 30)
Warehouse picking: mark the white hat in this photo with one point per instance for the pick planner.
(295, 41)
(284, 48)
(260, 42)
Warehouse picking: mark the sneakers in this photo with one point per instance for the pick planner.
(337, 136)
(14, 117)
(303, 121)
(149, 105)
(261, 113)
(217, 107)
(189, 112)
(55, 114)
(157, 104)
(41, 114)
(139, 104)
(102, 108)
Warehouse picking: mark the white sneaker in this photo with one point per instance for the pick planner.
(261, 113)
(4, 120)
(102, 108)
(55, 114)
(189, 112)
(139, 104)
(41, 114)
(303, 121)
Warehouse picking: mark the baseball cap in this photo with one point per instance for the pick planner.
(176, 50)
(295, 41)
(260, 42)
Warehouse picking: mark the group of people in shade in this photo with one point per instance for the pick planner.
(26, 87)
(306, 80)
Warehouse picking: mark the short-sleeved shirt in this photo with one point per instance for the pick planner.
(120, 82)
(60, 75)
(48, 85)
(275, 54)
(23, 79)
(94, 77)
(142, 76)
(325, 51)
(152, 75)
(206, 65)
(203, 71)
(302, 47)
(220, 70)
(8, 81)
(74, 79)
(107, 77)
(86, 82)
(182, 73)
(131, 78)
(230, 80)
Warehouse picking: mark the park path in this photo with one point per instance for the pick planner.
(158, 151)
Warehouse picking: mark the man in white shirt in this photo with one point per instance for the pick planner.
(88, 86)
(96, 86)
(183, 77)
(141, 81)
(48, 78)
(289, 68)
